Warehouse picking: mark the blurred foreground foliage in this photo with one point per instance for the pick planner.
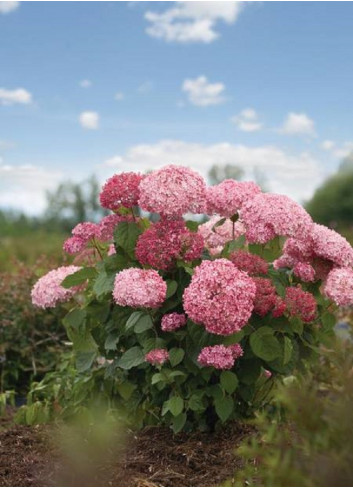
(31, 339)
(307, 440)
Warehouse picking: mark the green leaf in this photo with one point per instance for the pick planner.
(215, 391)
(158, 377)
(131, 358)
(192, 225)
(126, 235)
(297, 325)
(79, 277)
(287, 350)
(140, 321)
(328, 320)
(176, 355)
(172, 286)
(264, 344)
(104, 283)
(218, 223)
(195, 402)
(175, 405)
(233, 338)
(75, 318)
(179, 422)
(229, 381)
(111, 341)
(224, 408)
(126, 389)
(84, 360)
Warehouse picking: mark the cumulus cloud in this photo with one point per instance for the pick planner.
(8, 6)
(145, 87)
(23, 187)
(296, 175)
(85, 83)
(247, 120)
(16, 96)
(298, 124)
(327, 145)
(187, 22)
(119, 96)
(343, 150)
(89, 120)
(202, 93)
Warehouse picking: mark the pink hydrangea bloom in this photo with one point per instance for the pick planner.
(301, 251)
(173, 321)
(248, 262)
(48, 291)
(74, 245)
(300, 303)
(266, 296)
(86, 230)
(167, 241)
(279, 307)
(157, 356)
(269, 215)
(173, 191)
(216, 237)
(332, 246)
(236, 350)
(218, 356)
(121, 190)
(139, 288)
(220, 296)
(229, 196)
(339, 286)
(108, 224)
(304, 271)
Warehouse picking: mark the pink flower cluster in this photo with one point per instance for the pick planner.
(220, 356)
(216, 237)
(332, 246)
(220, 296)
(158, 356)
(300, 303)
(339, 286)
(81, 235)
(173, 321)
(121, 190)
(48, 291)
(304, 271)
(173, 191)
(266, 298)
(108, 224)
(167, 241)
(229, 196)
(139, 288)
(248, 262)
(269, 215)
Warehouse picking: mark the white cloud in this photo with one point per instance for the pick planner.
(192, 21)
(16, 96)
(296, 175)
(327, 145)
(247, 120)
(298, 124)
(145, 87)
(119, 96)
(23, 187)
(201, 92)
(4, 145)
(85, 83)
(89, 120)
(9, 6)
(343, 150)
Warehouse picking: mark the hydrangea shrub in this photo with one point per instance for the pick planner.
(191, 322)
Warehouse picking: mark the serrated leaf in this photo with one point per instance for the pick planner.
(75, 318)
(140, 321)
(103, 284)
(176, 355)
(131, 358)
(229, 381)
(126, 235)
(192, 225)
(77, 278)
(224, 408)
(179, 422)
(195, 402)
(175, 405)
(264, 344)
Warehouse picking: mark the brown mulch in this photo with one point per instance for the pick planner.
(152, 457)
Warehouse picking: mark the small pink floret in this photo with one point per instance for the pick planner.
(219, 356)
(339, 286)
(121, 190)
(173, 321)
(139, 288)
(157, 356)
(229, 196)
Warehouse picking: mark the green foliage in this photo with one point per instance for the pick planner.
(31, 339)
(309, 442)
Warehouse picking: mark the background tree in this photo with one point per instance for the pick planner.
(218, 173)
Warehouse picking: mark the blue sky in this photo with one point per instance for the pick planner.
(101, 87)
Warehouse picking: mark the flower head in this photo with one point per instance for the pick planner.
(108, 224)
(218, 356)
(86, 230)
(332, 246)
(74, 245)
(339, 286)
(248, 262)
(158, 356)
(48, 291)
(139, 288)
(121, 190)
(220, 296)
(167, 241)
(300, 303)
(216, 237)
(236, 350)
(304, 271)
(269, 215)
(173, 191)
(229, 196)
(266, 297)
(173, 321)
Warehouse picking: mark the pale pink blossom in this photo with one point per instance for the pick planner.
(304, 271)
(219, 356)
(339, 286)
(332, 246)
(173, 321)
(74, 245)
(216, 237)
(158, 356)
(135, 287)
(229, 196)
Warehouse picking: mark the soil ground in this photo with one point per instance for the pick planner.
(152, 457)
